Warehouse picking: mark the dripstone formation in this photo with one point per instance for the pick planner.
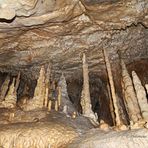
(73, 73)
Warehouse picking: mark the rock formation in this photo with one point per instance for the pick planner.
(63, 96)
(85, 96)
(39, 93)
(47, 85)
(11, 97)
(39, 32)
(4, 88)
(112, 88)
(141, 95)
(146, 86)
(130, 96)
(37, 102)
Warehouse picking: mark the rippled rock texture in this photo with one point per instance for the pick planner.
(58, 32)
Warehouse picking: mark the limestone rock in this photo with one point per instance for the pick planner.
(98, 139)
(37, 101)
(65, 105)
(7, 14)
(85, 95)
(11, 97)
(112, 88)
(141, 95)
(4, 88)
(146, 86)
(130, 96)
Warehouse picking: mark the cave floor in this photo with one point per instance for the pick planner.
(39, 129)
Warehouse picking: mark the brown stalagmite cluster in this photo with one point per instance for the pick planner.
(11, 98)
(112, 88)
(4, 88)
(141, 95)
(85, 97)
(129, 95)
(37, 102)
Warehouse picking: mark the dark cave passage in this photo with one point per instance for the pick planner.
(99, 97)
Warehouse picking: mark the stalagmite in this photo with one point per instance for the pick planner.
(39, 93)
(37, 101)
(64, 98)
(111, 104)
(146, 86)
(4, 88)
(49, 105)
(103, 126)
(11, 97)
(85, 96)
(47, 86)
(56, 106)
(59, 96)
(110, 76)
(130, 96)
(17, 82)
(141, 95)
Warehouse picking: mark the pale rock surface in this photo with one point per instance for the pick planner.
(141, 95)
(66, 105)
(11, 97)
(130, 96)
(111, 139)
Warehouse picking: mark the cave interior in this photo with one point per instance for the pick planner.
(73, 72)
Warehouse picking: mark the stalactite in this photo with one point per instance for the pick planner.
(85, 97)
(110, 76)
(11, 97)
(47, 86)
(4, 88)
(130, 96)
(141, 95)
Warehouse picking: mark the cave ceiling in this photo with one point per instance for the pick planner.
(36, 32)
